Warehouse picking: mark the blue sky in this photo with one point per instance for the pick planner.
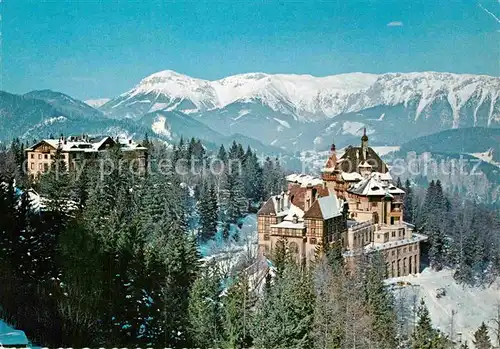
(92, 49)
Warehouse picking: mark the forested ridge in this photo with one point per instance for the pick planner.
(463, 234)
(114, 261)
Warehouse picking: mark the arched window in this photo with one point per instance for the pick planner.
(294, 248)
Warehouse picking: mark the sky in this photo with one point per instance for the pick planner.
(98, 49)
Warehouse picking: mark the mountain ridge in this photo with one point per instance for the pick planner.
(307, 95)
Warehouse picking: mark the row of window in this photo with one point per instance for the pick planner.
(42, 156)
(400, 233)
(410, 249)
(311, 240)
(41, 167)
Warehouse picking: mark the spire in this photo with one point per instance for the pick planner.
(364, 145)
(365, 137)
(332, 148)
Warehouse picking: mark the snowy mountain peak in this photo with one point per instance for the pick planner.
(308, 98)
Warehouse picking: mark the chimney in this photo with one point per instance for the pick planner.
(310, 197)
(278, 203)
(130, 141)
(295, 219)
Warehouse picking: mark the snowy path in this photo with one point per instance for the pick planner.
(471, 305)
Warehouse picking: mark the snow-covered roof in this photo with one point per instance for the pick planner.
(304, 179)
(294, 211)
(383, 176)
(76, 144)
(330, 206)
(374, 186)
(351, 176)
(385, 245)
(289, 225)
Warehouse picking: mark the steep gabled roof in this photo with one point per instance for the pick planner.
(353, 157)
(48, 142)
(314, 211)
(297, 194)
(324, 208)
(268, 208)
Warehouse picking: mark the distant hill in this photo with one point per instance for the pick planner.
(457, 141)
(457, 158)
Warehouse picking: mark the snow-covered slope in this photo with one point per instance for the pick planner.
(311, 98)
(292, 111)
(96, 103)
(467, 306)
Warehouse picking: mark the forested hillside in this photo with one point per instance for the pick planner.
(463, 234)
(114, 260)
(457, 141)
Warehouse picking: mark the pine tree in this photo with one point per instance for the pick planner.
(408, 203)
(424, 336)
(284, 316)
(330, 307)
(237, 319)
(208, 212)
(236, 204)
(204, 310)
(252, 176)
(281, 256)
(380, 303)
(481, 338)
(334, 256)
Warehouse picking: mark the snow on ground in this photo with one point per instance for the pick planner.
(241, 242)
(471, 305)
(282, 122)
(352, 127)
(487, 156)
(242, 113)
(159, 126)
(96, 103)
(11, 337)
(384, 150)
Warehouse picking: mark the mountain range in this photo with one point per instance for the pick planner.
(281, 111)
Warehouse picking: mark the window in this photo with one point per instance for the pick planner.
(378, 236)
(32, 156)
(32, 166)
(393, 234)
(45, 167)
(52, 156)
(312, 241)
(266, 236)
(393, 253)
(40, 166)
(46, 156)
(40, 156)
(410, 248)
(404, 250)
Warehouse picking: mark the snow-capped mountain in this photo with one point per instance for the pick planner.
(287, 109)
